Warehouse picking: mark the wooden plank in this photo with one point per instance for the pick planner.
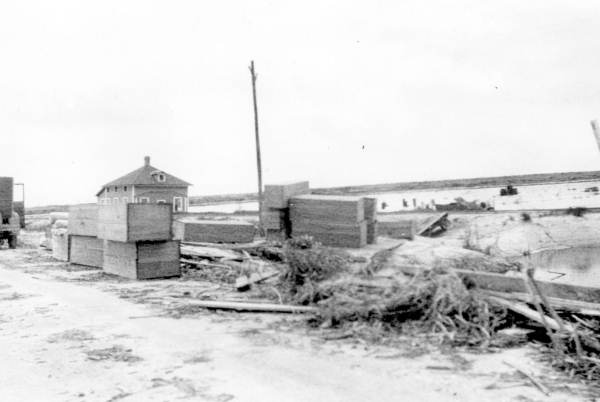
(135, 222)
(575, 306)
(86, 250)
(338, 209)
(278, 195)
(203, 231)
(515, 284)
(83, 220)
(252, 307)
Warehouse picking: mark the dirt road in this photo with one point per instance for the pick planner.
(71, 342)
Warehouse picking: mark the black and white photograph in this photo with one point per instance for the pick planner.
(298, 201)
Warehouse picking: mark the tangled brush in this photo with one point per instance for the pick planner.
(435, 300)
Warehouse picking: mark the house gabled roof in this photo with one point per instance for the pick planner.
(145, 176)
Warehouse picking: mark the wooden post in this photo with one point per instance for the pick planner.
(258, 161)
(596, 130)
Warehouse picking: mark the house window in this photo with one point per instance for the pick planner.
(177, 204)
(161, 177)
(125, 188)
(116, 200)
(161, 201)
(125, 200)
(107, 189)
(144, 200)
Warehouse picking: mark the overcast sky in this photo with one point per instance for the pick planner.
(349, 92)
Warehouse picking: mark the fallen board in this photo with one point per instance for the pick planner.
(142, 260)
(83, 220)
(254, 307)
(335, 209)
(278, 195)
(135, 222)
(214, 231)
(86, 250)
(516, 284)
(439, 221)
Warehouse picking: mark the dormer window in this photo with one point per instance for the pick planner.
(161, 177)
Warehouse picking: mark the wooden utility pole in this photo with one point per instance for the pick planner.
(258, 162)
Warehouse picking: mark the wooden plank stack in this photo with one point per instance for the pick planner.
(275, 216)
(337, 221)
(85, 248)
(138, 241)
(371, 218)
(205, 231)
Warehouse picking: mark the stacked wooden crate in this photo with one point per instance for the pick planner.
(275, 215)
(85, 248)
(138, 241)
(371, 219)
(204, 231)
(337, 221)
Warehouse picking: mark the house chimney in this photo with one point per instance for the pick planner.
(146, 161)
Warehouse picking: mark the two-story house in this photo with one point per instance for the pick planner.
(146, 185)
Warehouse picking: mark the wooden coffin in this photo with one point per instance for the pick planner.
(135, 222)
(204, 231)
(340, 209)
(142, 259)
(86, 250)
(278, 195)
(83, 220)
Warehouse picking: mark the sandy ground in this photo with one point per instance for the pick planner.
(72, 334)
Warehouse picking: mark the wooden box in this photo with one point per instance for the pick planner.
(83, 220)
(135, 222)
(278, 195)
(204, 231)
(339, 209)
(86, 250)
(142, 260)
(59, 239)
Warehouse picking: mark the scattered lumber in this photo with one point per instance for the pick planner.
(278, 195)
(134, 222)
(253, 307)
(525, 311)
(574, 306)
(83, 220)
(143, 259)
(214, 231)
(86, 250)
(210, 253)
